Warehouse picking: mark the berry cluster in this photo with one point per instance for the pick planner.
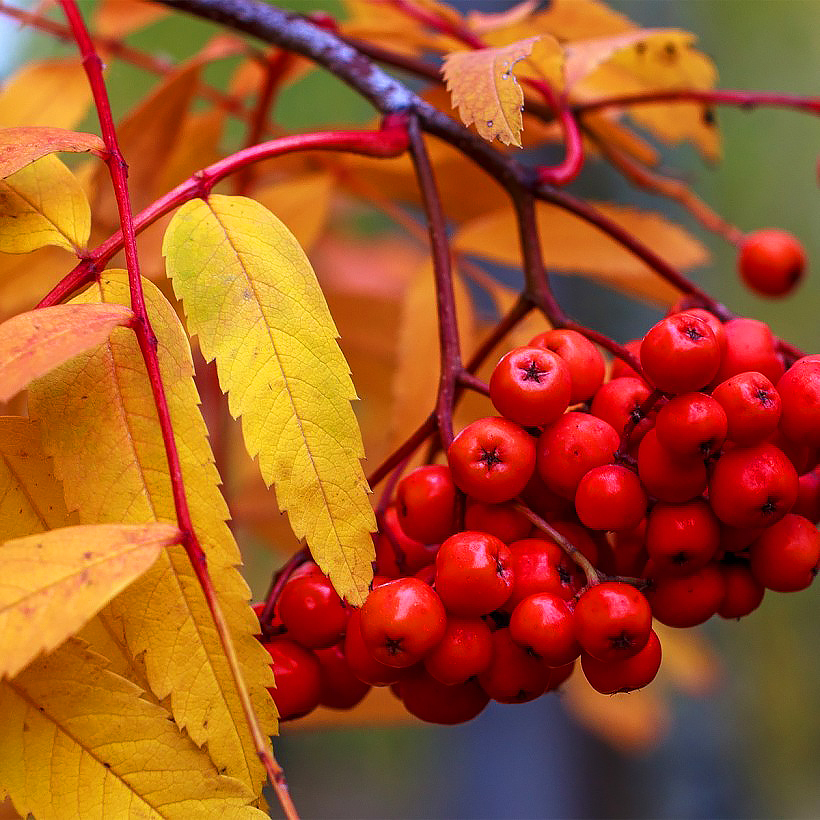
(559, 529)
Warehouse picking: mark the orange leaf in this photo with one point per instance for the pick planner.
(116, 18)
(33, 343)
(20, 146)
(485, 89)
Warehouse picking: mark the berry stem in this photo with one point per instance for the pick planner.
(278, 582)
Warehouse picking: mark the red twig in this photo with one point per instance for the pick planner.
(390, 141)
(148, 347)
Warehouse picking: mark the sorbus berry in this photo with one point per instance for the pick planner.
(312, 612)
(492, 459)
(514, 674)
(771, 262)
(297, 678)
(786, 556)
(540, 565)
(434, 702)
(531, 386)
(610, 497)
(688, 600)
(543, 624)
(501, 520)
(340, 688)
(584, 361)
(667, 477)
(744, 593)
(626, 674)
(426, 503)
(752, 407)
(681, 538)
(619, 402)
(799, 390)
(620, 368)
(465, 650)
(692, 425)
(361, 662)
(750, 346)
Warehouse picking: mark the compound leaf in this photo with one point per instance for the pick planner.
(100, 425)
(53, 583)
(32, 343)
(78, 742)
(251, 296)
(43, 204)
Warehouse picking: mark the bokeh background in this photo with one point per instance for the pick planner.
(740, 735)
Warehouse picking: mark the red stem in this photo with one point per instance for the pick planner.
(438, 23)
(148, 347)
(389, 141)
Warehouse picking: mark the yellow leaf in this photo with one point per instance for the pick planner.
(416, 374)
(117, 18)
(572, 245)
(20, 146)
(31, 499)
(485, 90)
(100, 425)
(251, 296)
(302, 203)
(43, 204)
(53, 583)
(79, 742)
(34, 342)
(53, 91)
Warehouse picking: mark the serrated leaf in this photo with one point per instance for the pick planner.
(43, 204)
(53, 583)
(79, 742)
(31, 499)
(251, 296)
(53, 91)
(100, 425)
(33, 343)
(20, 146)
(572, 245)
(485, 91)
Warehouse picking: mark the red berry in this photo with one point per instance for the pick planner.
(297, 678)
(799, 390)
(492, 459)
(530, 386)
(744, 593)
(692, 425)
(362, 664)
(610, 497)
(689, 600)
(473, 573)
(540, 565)
(667, 477)
(786, 556)
(619, 402)
(681, 538)
(680, 354)
(808, 496)
(584, 361)
(750, 346)
(543, 624)
(570, 447)
(752, 486)
(627, 674)
(514, 674)
(426, 504)
(752, 407)
(503, 521)
(432, 701)
(612, 620)
(620, 368)
(465, 650)
(312, 612)
(401, 621)
(340, 688)
(771, 262)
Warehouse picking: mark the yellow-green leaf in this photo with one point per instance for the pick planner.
(31, 499)
(485, 90)
(100, 425)
(251, 296)
(34, 342)
(20, 146)
(43, 204)
(572, 245)
(53, 91)
(79, 742)
(53, 583)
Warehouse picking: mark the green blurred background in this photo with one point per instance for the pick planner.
(751, 748)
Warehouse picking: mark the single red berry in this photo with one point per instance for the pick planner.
(688, 600)
(426, 504)
(612, 620)
(492, 459)
(465, 650)
(680, 354)
(543, 624)
(570, 447)
(681, 538)
(744, 593)
(514, 674)
(361, 662)
(717, 326)
(752, 407)
(585, 363)
(531, 386)
(668, 477)
(312, 612)
(473, 573)
(297, 678)
(692, 425)
(401, 621)
(540, 565)
(626, 674)
(610, 497)
(409, 555)
(434, 702)
(786, 557)
(750, 346)
(629, 554)
(808, 496)
(799, 390)
(340, 688)
(771, 262)
(619, 403)
(752, 486)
